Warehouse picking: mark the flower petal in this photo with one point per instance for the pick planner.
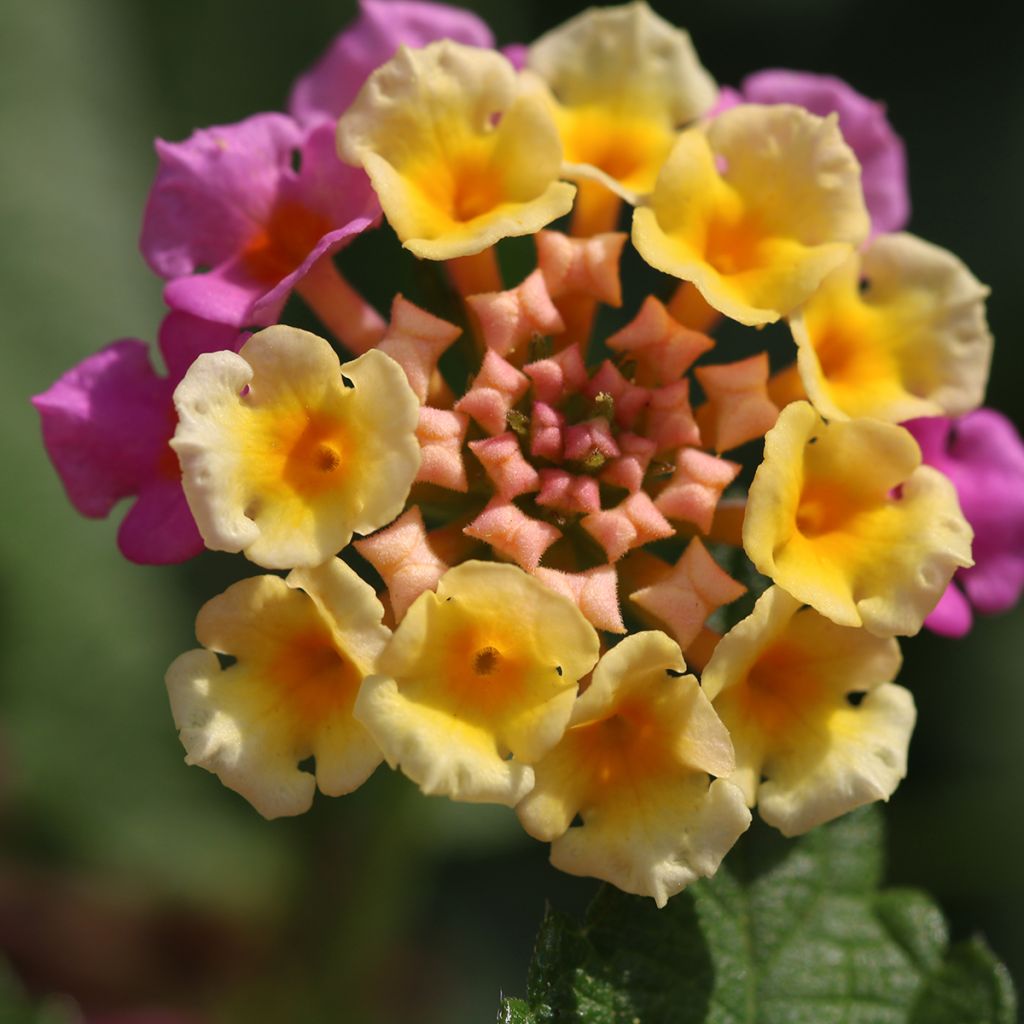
(634, 764)
(757, 236)
(457, 157)
(300, 657)
(283, 459)
(844, 517)
(485, 667)
(898, 331)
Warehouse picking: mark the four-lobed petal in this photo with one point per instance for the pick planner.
(623, 81)
(896, 332)
(285, 452)
(818, 725)
(755, 208)
(634, 765)
(478, 682)
(459, 155)
(302, 647)
(843, 516)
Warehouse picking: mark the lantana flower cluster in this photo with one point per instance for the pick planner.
(632, 581)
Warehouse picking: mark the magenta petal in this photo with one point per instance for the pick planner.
(952, 615)
(341, 194)
(515, 54)
(326, 185)
(728, 97)
(865, 127)
(302, 216)
(983, 455)
(995, 585)
(268, 308)
(226, 294)
(183, 337)
(159, 528)
(214, 191)
(327, 89)
(105, 423)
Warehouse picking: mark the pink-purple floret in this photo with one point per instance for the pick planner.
(106, 425)
(982, 453)
(220, 228)
(330, 86)
(216, 199)
(862, 121)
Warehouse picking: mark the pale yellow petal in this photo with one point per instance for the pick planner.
(673, 834)
(459, 156)
(755, 209)
(897, 332)
(843, 516)
(634, 766)
(624, 58)
(442, 753)
(285, 452)
(864, 760)
(485, 668)
(818, 726)
(289, 693)
(622, 81)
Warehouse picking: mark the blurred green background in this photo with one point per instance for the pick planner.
(127, 879)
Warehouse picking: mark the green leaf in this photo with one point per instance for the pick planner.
(788, 932)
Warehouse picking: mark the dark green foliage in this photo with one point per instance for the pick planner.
(786, 933)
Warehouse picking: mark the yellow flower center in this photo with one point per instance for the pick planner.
(824, 509)
(629, 149)
(486, 661)
(779, 693)
(733, 243)
(314, 678)
(465, 186)
(483, 669)
(311, 448)
(290, 234)
(620, 750)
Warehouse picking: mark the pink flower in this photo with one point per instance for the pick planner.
(863, 123)
(106, 424)
(234, 227)
(983, 455)
(327, 89)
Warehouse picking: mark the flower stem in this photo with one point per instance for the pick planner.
(475, 274)
(595, 211)
(689, 307)
(341, 309)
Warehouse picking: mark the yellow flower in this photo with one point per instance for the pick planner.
(755, 209)
(897, 332)
(285, 452)
(458, 154)
(844, 517)
(485, 668)
(818, 726)
(624, 81)
(302, 647)
(634, 765)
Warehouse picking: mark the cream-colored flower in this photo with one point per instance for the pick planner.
(844, 517)
(623, 82)
(755, 208)
(634, 765)
(459, 155)
(285, 452)
(302, 646)
(478, 682)
(897, 332)
(818, 726)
